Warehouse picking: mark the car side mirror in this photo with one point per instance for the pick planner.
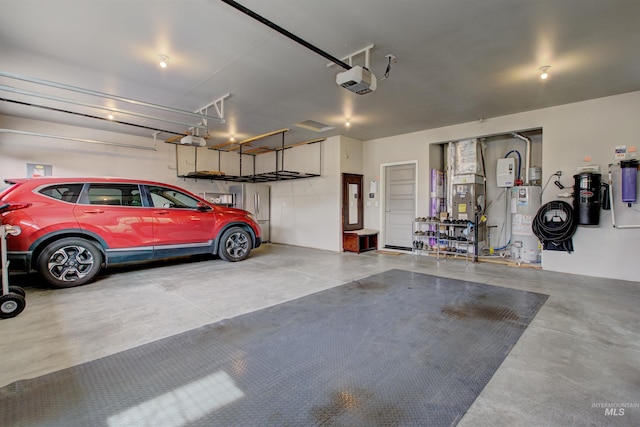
(203, 207)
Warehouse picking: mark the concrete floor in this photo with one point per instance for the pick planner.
(579, 355)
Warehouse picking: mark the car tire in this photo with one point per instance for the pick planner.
(235, 244)
(69, 262)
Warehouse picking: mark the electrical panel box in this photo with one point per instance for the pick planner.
(506, 172)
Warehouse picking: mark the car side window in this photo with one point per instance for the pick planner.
(65, 192)
(114, 194)
(164, 197)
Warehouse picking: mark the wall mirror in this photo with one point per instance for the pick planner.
(352, 202)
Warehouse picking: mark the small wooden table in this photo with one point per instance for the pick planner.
(360, 240)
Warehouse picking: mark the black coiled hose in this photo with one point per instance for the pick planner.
(555, 232)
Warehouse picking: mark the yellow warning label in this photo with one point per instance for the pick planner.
(462, 208)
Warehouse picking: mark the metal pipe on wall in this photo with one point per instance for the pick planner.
(527, 155)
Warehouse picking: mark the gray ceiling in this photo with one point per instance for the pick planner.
(457, 60)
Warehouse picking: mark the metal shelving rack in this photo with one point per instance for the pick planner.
(279, 173)
(445, 233)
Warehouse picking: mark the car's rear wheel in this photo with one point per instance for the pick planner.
(235, 244)
(69, 262)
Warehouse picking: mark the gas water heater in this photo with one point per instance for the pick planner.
(525, 203)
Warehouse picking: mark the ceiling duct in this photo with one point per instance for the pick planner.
(314, 126)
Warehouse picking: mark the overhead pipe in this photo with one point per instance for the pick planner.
(70, 138)
(106, 95)
(527, 155)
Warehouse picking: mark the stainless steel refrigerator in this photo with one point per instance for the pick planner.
(255, 198)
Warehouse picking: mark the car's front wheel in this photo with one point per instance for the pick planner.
(69, 262)
(235, 244)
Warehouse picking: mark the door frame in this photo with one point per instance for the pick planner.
(383, 195)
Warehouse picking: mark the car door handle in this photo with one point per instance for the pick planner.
(161, 212)
(93, 211)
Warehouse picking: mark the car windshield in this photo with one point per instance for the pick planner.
(170, 198)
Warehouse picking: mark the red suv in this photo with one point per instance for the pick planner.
(72, 227)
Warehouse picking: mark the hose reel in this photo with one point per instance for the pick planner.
(554, 225)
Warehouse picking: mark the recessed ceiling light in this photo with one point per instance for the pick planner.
(163, 61)
(110, 116)
(544, 72)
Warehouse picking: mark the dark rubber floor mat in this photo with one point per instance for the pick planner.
(393, 349)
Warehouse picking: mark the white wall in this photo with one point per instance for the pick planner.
(351, 155)
(570, 132)
(307, 212)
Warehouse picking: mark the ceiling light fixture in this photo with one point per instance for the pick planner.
(110, 116)
(544, 72)
(347, 123)
(232, 139)
(163, 61)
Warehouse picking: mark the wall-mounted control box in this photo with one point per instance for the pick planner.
(506, 172)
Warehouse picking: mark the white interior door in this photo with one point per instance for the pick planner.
(400, 205)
